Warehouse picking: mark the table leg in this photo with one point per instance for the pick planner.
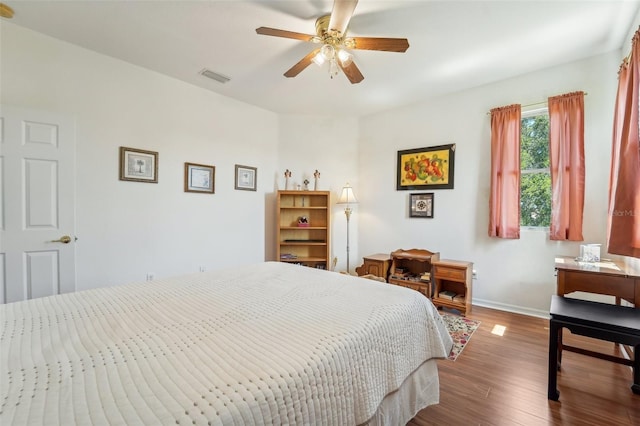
(636, 370)
(552, 390)
(559, 348)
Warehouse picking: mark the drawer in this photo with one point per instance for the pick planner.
(420, 287)
(450, 273)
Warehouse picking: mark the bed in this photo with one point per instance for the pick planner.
(265, 344)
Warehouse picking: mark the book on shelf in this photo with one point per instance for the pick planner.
(447, 294)
(400, 273)
(287, 256)
(401, 277)
(459, 298)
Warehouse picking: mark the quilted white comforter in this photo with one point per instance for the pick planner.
(267, 344)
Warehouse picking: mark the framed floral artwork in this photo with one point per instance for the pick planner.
(426, 168)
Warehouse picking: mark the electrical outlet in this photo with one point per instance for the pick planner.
(149, 276)
(474, 275)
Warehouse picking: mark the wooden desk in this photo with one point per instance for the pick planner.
(618, 281)
(608, 278)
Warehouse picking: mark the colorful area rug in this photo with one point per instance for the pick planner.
(460, 329)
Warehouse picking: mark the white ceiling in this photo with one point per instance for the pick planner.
(454, 45)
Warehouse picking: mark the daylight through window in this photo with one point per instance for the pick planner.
(535, 176)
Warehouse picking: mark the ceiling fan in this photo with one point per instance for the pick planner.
(331, 33)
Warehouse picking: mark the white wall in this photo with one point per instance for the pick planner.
(128, 229)
(514, 275)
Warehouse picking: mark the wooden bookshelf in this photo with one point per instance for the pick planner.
(304, 243)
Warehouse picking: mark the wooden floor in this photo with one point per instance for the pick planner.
(503, 380)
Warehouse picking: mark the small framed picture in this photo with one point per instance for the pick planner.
(199, 178)
(138, 165)
(246, 177)
(421, 205)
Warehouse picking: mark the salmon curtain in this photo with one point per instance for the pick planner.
(504, 201)
(624, 182)
(566, 158)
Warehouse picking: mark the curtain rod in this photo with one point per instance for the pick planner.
(534, 104)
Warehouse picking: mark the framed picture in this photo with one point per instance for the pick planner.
(138, 165)
(421, 205)
(426, 168)
(199, 178)
(246, 177)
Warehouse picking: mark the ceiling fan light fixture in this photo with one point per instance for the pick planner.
(318, 59)
(333, 68)
(331, 34)
(345, 57)
(328, 52)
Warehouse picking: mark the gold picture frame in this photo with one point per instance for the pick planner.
(199, 178)
(138, 165)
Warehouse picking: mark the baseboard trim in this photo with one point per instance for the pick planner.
(511, 308)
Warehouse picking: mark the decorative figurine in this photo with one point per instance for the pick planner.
(287, 175)
(316, 177)
(306, 184)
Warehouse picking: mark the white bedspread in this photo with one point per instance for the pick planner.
(266, 344)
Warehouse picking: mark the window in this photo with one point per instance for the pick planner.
(535, 176)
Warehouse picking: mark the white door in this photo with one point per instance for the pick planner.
(37, 204)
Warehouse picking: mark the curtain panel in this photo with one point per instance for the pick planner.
(624, 182)
(504, 200)
(566, 158)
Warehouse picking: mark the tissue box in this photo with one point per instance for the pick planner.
(590, 252)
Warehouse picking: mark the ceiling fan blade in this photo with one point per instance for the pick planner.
(283, 33)
(301, 65)
(341, 14)
(352, 72)
(381, 43)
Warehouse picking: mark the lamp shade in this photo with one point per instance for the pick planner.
(347, 196)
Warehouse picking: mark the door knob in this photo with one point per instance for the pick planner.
(65, 239)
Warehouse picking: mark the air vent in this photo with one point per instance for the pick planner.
(215, 76)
